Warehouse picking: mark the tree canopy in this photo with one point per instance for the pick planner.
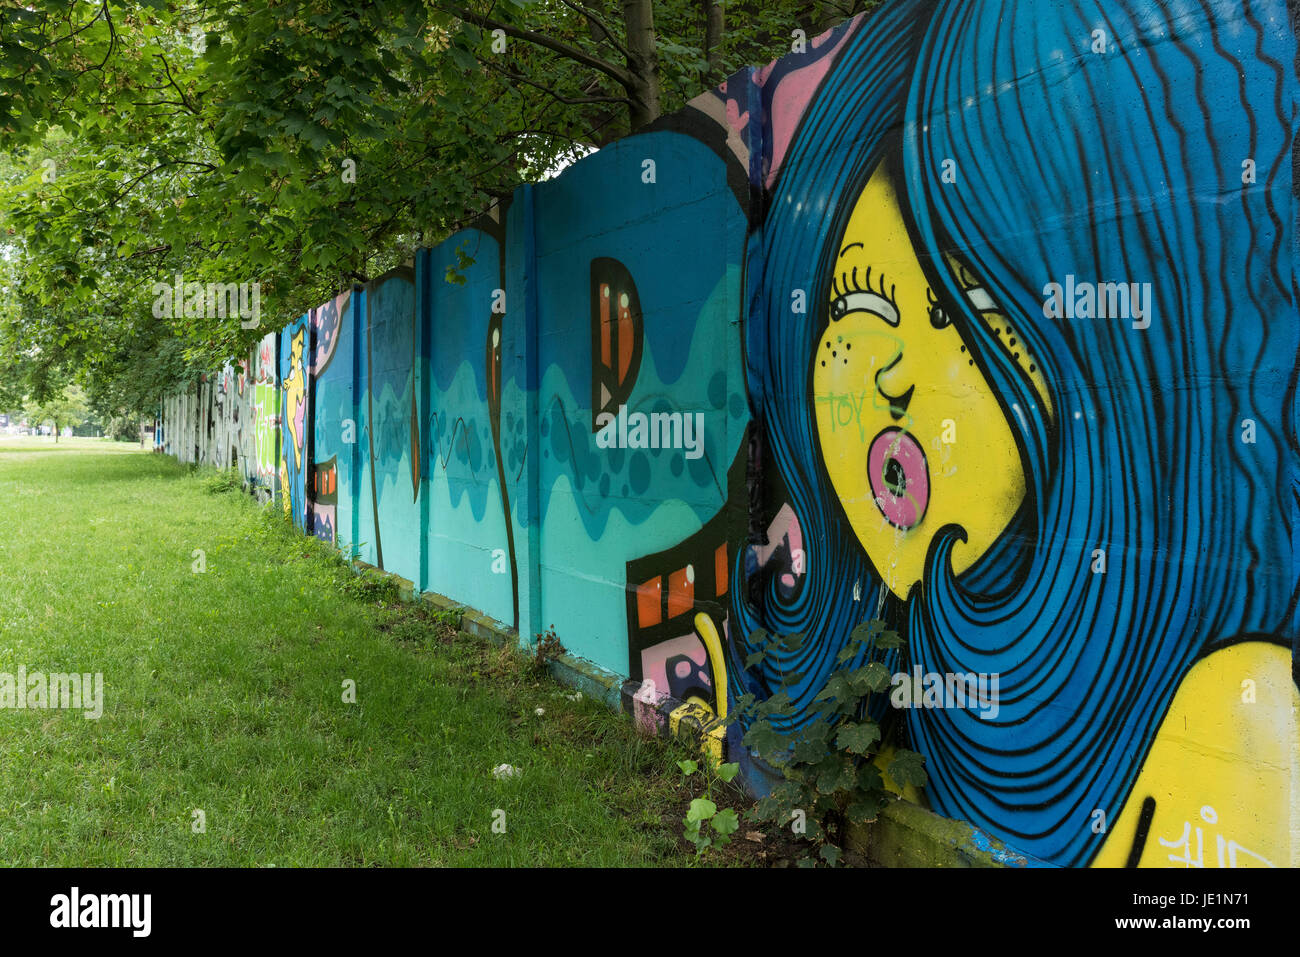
(299, 144)
(59, 410)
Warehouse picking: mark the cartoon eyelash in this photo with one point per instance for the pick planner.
(972, 289)
(847, 283)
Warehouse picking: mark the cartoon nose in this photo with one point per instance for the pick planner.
(884, 381)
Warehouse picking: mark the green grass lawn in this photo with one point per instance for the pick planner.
(223, 692)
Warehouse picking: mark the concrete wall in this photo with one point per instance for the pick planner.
(982, 318)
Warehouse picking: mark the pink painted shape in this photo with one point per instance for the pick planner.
(793, 94)
(737, 119)
(654, 660)
(784, 525)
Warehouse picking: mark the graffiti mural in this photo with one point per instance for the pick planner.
(975, 318)
(265, 416)
(220, 421)
(295, 401)
(1032, 491)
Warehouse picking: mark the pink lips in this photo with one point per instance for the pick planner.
(900, 479)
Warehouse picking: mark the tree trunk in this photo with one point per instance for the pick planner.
(643, 61)
(714, 14)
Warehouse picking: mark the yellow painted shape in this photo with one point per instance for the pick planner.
(712, 739)
(712, 744)
(683, 710)
(713, 644)
(284, 485)
(1222, 770)
(976, 479)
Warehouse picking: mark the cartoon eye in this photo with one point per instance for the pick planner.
(938, 318)
(864, 302)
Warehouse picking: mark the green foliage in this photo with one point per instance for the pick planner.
(296, 144)
(65, 408)
(703, 810)
(223, 480)
(372, 588)
(124, 428)
(830, 778)
(548, 646)
(446, 618)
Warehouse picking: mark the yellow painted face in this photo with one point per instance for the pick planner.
(911, 434)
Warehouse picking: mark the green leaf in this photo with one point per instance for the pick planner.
(865, 809)
(767, 808)
(688, 767)
(839, 776)
(837, 688)
(764, 739)
(463, 59)
(830, 854)
(808, 751)
(871, 677)
(728, 771)
(858, 738)
(726, 822)
(701, 809)
(869, 778)
(754, 659)
(889, 639)
(908, 767)
(864, 634)
(777, 703)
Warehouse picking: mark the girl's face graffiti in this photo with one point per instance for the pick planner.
(911, 434)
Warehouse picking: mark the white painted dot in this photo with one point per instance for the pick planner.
(623, 300)
(690, 574)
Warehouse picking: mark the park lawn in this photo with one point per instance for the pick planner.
(223, 693)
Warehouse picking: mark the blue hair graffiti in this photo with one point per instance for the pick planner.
(1122, 165)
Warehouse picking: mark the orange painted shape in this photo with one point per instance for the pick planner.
(720, 568)
(624, 343)
(648, 603)
(604, 325)
(681, 591)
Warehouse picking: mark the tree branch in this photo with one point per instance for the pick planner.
(570, 101)
(568, 50)
(609, 34)
(175, 86)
